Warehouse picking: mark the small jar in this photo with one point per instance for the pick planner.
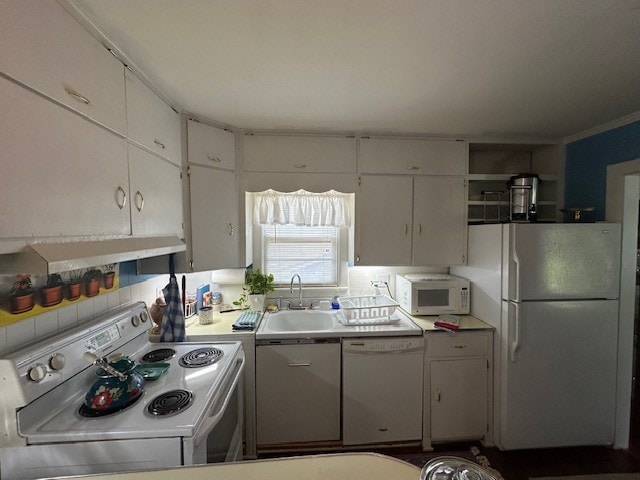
(205, 315)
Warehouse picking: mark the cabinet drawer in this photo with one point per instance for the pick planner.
(299, 153)
(412, 156)
(459, 345)
(46, 48)
(151, 122)
(211, 146)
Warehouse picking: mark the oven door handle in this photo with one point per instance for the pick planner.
(212, 420)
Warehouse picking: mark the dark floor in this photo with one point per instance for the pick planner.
(525, 464)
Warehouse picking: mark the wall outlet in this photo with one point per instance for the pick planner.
(382, 278)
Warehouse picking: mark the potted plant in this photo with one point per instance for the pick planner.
(109, 275)
(22, 294)
(91, 280)
(257, 285)
(74, 285)
(51, 294)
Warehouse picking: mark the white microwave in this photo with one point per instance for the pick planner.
(432, 294)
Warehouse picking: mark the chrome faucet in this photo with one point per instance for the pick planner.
(299, 306)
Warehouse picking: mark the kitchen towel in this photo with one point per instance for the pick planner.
(173, 326)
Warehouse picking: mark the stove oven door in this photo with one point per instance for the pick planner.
(219, 438)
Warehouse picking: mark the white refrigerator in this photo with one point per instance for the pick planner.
(551, 291)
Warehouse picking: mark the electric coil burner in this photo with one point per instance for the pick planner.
(170, 403)
(201, 357)
(158, 355)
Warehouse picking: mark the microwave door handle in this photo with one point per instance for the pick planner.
(213, 420)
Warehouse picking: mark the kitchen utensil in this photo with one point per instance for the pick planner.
(118, 386)
(454, 468)
(151, 371)
(524, 197)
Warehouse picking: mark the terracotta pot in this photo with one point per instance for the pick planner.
(108, 279)
(50, 296)
(75, 290)
(22, 303)
(92, 287)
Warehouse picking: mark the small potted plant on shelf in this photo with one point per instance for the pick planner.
(257, 285)
(91, 280)
(22, 294)
(52, 294)
(109, 275)
(74, 285)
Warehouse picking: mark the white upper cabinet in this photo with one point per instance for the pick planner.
(62, 175)
(299, 153)
(215, 234)
(151, 122)
(384, 220)
(48, 50)
(156, 195)
(404, 220)
(210, 146)
(412, 156)
(440, 221)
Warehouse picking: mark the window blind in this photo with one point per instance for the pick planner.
(311, 252)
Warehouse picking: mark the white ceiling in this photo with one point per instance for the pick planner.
(462, 67)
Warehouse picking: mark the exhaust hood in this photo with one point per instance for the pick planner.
(47, 258)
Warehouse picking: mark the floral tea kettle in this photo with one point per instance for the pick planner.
(118, 385)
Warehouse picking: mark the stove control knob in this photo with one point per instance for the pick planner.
(37, 372)
(135, 321)
(57, 361)
(144, 316)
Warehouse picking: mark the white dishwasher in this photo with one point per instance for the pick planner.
(382, 389)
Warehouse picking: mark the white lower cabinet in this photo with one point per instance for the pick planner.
(298, 393)
(457, 387)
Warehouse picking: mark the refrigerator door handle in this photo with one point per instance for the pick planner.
(515, 343)
(516, 263)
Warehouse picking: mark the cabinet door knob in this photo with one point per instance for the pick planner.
(412, 167)
(120, 193)
(299, 364)
(419, 229)
(159, 143)
(213, 159)
(231, 229)
(406, 228)
(437, 395)
(139, 204)
(77, 96)
(300, 165)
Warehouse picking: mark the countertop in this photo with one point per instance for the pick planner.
(221, 326)
(346, 466)
(223, 321)
(467, 322)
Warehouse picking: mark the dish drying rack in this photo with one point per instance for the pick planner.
(367, 310)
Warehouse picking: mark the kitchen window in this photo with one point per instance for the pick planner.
(301, 233)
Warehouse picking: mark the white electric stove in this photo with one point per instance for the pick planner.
(192, 414)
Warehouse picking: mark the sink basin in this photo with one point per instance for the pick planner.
(299, 321)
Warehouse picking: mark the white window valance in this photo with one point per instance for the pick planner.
(327, 209)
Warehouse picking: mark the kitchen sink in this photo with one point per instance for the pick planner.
(293, 325)
(300, 321)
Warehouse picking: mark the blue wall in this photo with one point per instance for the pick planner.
(586, 166)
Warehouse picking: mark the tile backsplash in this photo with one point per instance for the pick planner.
(27, 331)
